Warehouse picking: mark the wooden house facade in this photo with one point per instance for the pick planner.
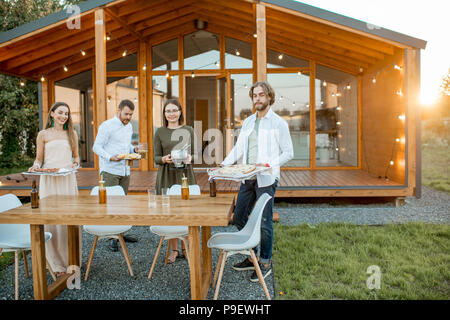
(348, 89)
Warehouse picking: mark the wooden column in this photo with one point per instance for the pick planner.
(38, 257)
(149, 85)
(261, 50)
(412, 121)
(100, 66)
(312, 114)
(142, 78)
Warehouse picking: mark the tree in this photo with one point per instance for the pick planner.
(19, 119)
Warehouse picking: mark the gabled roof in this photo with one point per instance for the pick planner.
(43, 46)
(288, 4)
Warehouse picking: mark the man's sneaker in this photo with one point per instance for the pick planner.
(244, 265)
(265, 272)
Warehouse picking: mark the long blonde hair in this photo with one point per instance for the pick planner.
(67, 126)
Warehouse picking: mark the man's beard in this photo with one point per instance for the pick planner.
(261, 107)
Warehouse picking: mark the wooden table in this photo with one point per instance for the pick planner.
(199, 213)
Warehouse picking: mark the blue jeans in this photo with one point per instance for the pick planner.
(249, 192)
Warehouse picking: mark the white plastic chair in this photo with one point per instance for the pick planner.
(172, 232)
(108, 232)
(17, 238)
(242, 242)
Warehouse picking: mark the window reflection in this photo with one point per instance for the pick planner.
(241, 104)
(336, 118)
(165, 56)
(292, 104)
(277, 59)
(201, 50)
(238, 54)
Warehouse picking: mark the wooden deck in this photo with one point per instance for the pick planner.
(293, 183)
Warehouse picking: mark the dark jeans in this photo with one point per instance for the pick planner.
(249, 192)
(115, 180)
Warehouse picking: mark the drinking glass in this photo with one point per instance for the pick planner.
(151, 198)
(143, 150)
(165, 197)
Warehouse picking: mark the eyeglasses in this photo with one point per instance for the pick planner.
(172, 111)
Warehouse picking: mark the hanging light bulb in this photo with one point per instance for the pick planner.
(348, 86)
(217, 63)
(399, 93)
(397, 140)
(65, 68)
(83, 53)
(397, 67)
(167, 74)
(391, 163)
(237, 52)
(255, 35)
(324, 84)
(299, 73)
(42, 78)
(280, 57)
(124, 53)
(144, 67)
(108, 37)
(193, 74)
(22, 83)
(374, 80)
(401, 117)
(338, 123)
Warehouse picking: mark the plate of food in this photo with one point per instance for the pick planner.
(236, 171)
(51, 171)
(129, 156)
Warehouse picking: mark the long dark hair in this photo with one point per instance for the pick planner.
(178, 104)
(67, 126)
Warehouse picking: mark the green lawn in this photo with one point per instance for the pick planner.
(435, 166)
(330, 261)
(6, 171)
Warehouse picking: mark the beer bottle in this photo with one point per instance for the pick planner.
(34, 196)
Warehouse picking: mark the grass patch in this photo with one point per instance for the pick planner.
(6, 171)
(330, 261)
(6, 258)
(435, 166)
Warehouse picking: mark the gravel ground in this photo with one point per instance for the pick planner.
(109, 278)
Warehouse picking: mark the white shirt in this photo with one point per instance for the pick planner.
(274, 146)
(113, 137)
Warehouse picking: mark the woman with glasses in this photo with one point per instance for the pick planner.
(173, 135)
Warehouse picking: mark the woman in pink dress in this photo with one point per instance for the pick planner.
(57, 147)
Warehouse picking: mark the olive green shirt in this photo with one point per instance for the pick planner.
(162, 146)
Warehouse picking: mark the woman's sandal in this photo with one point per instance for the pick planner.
(183, 253)
(172, 258)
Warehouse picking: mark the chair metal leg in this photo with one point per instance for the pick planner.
(16, 275)
(216, 294)
(91, 255)
(50, 270)
(169, 246)
(125, 253)
(156, 257)
(258, 272)
(25, 263)
(219, 262)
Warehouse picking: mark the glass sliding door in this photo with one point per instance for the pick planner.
(292, 104)
(336, 118)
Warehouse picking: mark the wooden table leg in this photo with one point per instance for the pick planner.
(206, 262)
(195, 263)
(38, 262)
(73, 235)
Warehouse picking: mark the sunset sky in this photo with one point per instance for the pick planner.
(425, 20)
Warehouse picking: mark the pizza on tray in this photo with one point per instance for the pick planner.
(47, 170)
(129, 156)
(234, 170)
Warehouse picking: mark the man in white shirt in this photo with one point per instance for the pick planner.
(114, 138)
(264, 140)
